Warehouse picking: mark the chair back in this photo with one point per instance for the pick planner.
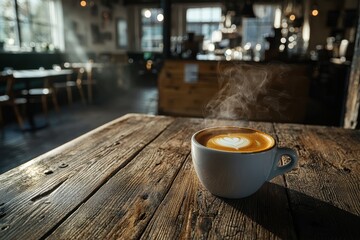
(7, 85)
(80, 74)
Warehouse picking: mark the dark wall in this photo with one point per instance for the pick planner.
(30, 60)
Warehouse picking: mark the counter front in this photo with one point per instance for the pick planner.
(250, 91)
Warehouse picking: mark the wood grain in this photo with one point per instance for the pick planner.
(222, 80)
(189, 211)
(126, 203)
(351, 118)
(324, 190)
(48, 199)
(133, 179)
(128, 213)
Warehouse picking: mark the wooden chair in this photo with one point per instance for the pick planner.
(7, 98)
(85, 78)
(43, 93)
(70, 83)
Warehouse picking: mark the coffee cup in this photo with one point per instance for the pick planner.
(234, 162)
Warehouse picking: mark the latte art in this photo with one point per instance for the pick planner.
(234, 139)
(231, 142)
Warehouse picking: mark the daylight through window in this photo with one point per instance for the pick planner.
(203, 21)
(151, 31)
(27, 25)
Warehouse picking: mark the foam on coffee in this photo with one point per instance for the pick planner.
(235, 139)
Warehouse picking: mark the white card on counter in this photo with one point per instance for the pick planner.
(191, 73)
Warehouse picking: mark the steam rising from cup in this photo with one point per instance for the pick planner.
(246, 93)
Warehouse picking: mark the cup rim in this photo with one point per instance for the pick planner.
(194, 141)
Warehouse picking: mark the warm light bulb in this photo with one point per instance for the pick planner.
(147, 13)
(292, 17)
(228, 52)
(247, 46)
(211, 47)
(160, 17)
(314, 12)
(277, 20)
(83, 3)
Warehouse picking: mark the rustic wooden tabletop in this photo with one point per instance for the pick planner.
(133, 178)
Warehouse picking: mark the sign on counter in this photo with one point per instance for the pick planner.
(191, 73)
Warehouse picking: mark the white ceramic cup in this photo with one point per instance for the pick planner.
(235, 174)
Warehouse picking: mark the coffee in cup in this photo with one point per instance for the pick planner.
(234, 162)
(230, 139)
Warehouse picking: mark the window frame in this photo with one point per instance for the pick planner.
(202, 23)
(258, 23)
(122, 41)
(53, 25)
(150, 24)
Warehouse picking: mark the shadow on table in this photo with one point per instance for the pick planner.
(311, 218)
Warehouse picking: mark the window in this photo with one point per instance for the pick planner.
(203, 21)
(256, 29)
(121, 33)
(151, 30)
(8, 26)
(30, 24)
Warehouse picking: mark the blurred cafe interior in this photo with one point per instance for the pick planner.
(70, 66)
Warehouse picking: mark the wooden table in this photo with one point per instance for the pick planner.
(40, 73)
(133, 178)
(30, 75)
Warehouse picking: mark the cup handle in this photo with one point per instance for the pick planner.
(276, 170)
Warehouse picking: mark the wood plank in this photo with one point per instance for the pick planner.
(324, 190)
(42, 201)
(177, 97)
(234, 80)
(110, 199)
(189, 211)
(124, 205)
(33, 172)
(186, 103)
(352, 109)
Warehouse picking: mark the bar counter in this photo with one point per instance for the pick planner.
(133, 179)
(280, 92)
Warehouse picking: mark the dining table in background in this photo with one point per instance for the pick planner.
(133, 178)
(40, 73)
(28, 76)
